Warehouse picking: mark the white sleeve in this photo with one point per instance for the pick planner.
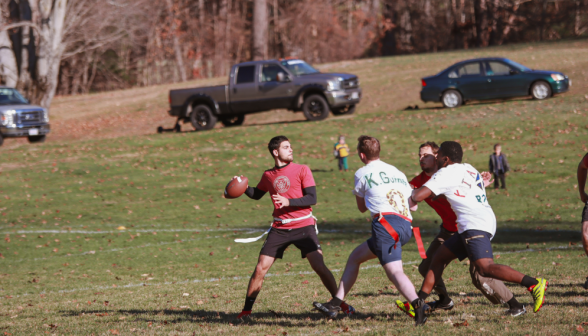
(440, 183)
(359, 189)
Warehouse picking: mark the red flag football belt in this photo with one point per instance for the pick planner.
(416, 231)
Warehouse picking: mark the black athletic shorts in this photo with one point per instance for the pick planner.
(585, 214)
(278, 240)
(472, 244)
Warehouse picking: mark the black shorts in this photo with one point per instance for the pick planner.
(472, 244)
(585, 214)
(278, 240)
(382, 244)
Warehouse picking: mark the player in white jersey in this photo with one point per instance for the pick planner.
(464, 189)
(384, 191)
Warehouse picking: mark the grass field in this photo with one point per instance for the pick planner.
(129, 234)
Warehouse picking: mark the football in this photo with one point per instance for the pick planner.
(236, 187)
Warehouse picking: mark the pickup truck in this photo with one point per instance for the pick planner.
(259, 86)
(18, 118)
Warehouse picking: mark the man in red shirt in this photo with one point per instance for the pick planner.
(494, 290)
(293, 191)
(582, 172)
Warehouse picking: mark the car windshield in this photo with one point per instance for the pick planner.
(516, 65)
(11, 97)
(299, 68)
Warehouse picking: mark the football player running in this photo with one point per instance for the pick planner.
(384, 191)
(494, 290)
(464, 189)
(293, 192)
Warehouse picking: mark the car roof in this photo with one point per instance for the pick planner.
(482, 59)
(258, 62)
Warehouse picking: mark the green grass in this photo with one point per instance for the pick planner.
(68, 269)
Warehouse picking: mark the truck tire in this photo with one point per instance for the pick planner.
(233, 121)
(315, 107)
(350, 109)
(202, 118)
(37, 138)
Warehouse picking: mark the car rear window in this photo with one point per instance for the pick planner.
(470, 69)
(246, 74)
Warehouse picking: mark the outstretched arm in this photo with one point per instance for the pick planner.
(582, 170)
(421, 194)
(254, 193)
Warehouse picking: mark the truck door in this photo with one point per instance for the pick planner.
(244, 93)
(275, 94)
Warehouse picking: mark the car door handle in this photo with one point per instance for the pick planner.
(489, 80)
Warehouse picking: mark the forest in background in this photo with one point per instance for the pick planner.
(115, 44)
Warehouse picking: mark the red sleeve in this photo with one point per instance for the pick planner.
(585, 160)
(415, 182)
(263, 183)
(306, 178)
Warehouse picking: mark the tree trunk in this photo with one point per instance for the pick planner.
(176, 41)
(51, 47)
(8, 70)
(260, 25)
(480, 14)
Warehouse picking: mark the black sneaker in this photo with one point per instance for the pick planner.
(514, 312)
(421, 311)
(327, 309)
(438, 305)
(586, 284)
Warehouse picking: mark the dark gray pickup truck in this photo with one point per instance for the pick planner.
(260, 86)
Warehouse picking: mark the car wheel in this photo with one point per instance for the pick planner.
(202, 118)
(541, 90)
(451, 98)
(234, 121)
(349, 109)
(315, 107)
(36, 138)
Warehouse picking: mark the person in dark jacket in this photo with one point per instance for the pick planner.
(499, 166)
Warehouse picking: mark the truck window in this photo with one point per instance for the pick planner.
(246, 74)
(269, 72)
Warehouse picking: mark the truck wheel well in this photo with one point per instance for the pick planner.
(195, 103)
(308, 93)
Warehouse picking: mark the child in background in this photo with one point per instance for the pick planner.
(342, 150)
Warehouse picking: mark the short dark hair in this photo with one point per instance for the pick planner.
(275, 143)
(452, 150)
(496, 145)
(369, 146)
(432, 144)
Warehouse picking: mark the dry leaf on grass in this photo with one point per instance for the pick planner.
(463, 324)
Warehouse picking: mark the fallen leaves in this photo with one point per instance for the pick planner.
(462, 324)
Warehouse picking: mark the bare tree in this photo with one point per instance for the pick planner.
(260, 25)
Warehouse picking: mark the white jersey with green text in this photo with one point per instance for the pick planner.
(463, 187)
(384, 187)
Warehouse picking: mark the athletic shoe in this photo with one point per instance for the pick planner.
(244, 313)
(538, 293)
(327, 309)
(438, 305)
(406, 307)
(421, 312)
(586, 284)
(514, 312)
(347, 309)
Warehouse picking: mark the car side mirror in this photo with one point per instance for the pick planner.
(282, 77)
(513, 72)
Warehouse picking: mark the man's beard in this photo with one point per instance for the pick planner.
(287, 158)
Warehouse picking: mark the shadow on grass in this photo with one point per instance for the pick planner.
(171, 316)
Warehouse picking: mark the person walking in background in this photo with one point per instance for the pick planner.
(582, 172)
(499, 166)
(342, 152)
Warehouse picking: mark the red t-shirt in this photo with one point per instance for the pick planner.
(288, 181)
(441, 205)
